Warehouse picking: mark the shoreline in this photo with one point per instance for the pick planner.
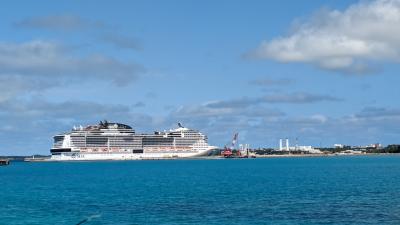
(217, 157)
(302, 155)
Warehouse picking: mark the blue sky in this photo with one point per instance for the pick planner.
(324, 72)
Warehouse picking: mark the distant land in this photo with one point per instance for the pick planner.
(265, 152)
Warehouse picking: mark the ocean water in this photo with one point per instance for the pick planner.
(314, 190)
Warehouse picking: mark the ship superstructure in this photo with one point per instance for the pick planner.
(116, 141)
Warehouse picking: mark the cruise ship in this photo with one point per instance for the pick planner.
(116, 141)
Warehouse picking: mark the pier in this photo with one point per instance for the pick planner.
(4, 162)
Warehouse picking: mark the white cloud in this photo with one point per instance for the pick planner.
(272, 82)
(121, 41)
(378, 112)
(348, 41)
(12, 86)
(63, 22)
(79, 25)
(51, 60)
(279, 98)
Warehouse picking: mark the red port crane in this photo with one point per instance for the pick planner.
(227, 152)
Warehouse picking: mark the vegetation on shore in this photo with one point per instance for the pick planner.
(270, 151)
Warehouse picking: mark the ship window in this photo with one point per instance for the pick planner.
(96, 141)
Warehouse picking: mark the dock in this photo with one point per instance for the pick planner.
(4, 162)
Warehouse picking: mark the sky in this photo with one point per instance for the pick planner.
(322, 72)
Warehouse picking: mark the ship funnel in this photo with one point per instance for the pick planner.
(180, 125)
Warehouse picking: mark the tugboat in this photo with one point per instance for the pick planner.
(228, 151)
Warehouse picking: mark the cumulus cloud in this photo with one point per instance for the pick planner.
(40, 109)
(349, 41)
(205, 110)
(121, 41)
(51, 60)
(378, 112)
(75, 23)
(58, 22)
(272, 82)
(305, 121)
(292, 98)
(12, 86)
(139, 104)
(298, 98)
(201, 111)
(37, 66)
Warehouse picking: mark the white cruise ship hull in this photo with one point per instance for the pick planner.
(80, 156)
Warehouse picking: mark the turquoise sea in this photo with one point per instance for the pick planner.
(313, 190)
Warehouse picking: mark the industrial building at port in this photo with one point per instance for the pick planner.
(284, 148)
(288, 148)
(236, 150)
